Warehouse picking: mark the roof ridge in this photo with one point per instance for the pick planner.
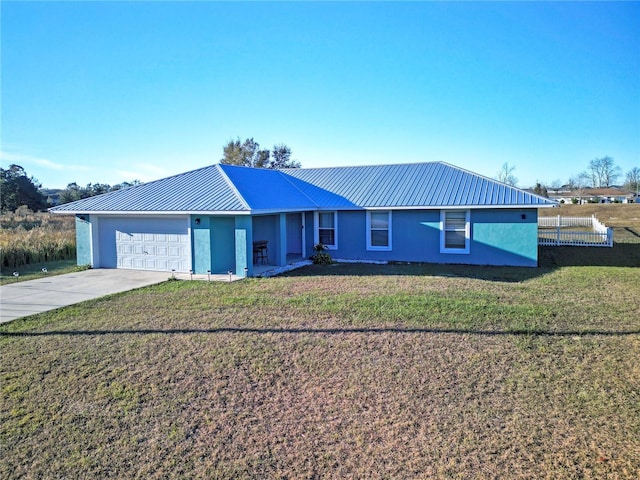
(234, 189)
(288, 178)
(361, 166)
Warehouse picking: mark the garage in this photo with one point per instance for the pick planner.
(160, 243)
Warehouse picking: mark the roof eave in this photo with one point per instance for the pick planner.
(465, 207)
(150, 212)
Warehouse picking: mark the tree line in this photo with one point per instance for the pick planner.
(600, 173)
(74, 192)
(18, 189)
(604, 173)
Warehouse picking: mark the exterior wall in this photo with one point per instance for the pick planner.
(223, 243)
(505, 237)
(200, 243)
(243, 225)
(223, 246)
(83, 240)
(213, 244)
(498, 237)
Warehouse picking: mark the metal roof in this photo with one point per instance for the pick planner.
(201, 190)
(233, 189)
(426, 185)
(265, 189)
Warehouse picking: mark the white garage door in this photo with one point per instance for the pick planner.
(145, 243)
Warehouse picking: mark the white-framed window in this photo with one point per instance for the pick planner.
(326, 231)
(455, 231)
(379, 230)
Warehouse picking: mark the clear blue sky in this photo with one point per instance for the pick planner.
(111, 92)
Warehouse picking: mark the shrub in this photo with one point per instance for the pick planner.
(321, 257)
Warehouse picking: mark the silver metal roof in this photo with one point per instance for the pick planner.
(204, 189)
(232, 189)
(428, 185)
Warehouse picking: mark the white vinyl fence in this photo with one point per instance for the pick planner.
(573, 231)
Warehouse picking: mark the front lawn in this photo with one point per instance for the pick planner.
(343, 371)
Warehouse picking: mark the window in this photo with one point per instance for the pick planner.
(326, 229)
(379, 230)
(454, 231)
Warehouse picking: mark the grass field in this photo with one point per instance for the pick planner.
(341, 371)
(344, 371)
(35, 238)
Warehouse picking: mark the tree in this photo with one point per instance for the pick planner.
(505, 175)
(17, 189)
(246, 154)
(603, 172)
(72, 193)
(249, 154)
(541, 190)
(632, 180)
(75, 192)
(281, 157)
(578, 184)
(120, 186)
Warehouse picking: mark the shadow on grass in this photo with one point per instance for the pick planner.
(549, 259)
(490, 273)
(323, 331)
(632, 232)
(621, 255)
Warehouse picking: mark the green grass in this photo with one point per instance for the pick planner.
(34, 271)
(342, 371)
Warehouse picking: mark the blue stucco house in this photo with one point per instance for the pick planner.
(224, 218)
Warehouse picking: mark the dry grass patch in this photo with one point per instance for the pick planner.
(35, 238)
(612, 214)
(332, 372)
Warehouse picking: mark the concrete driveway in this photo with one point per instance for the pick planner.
(34, 296)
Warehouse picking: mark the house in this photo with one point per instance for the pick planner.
(224, 218)
(593, 195)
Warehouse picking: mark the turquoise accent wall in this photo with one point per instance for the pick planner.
(200, 243)
(223, 245)
(83, 240)
(213, 244)
(503, 237)
(244, 244)
(498, 237)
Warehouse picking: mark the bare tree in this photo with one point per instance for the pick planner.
(578, 184)
(603, 172)
(556, 185)
(632, 180)
(505, 175)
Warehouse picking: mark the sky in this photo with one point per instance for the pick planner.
(106, 92)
